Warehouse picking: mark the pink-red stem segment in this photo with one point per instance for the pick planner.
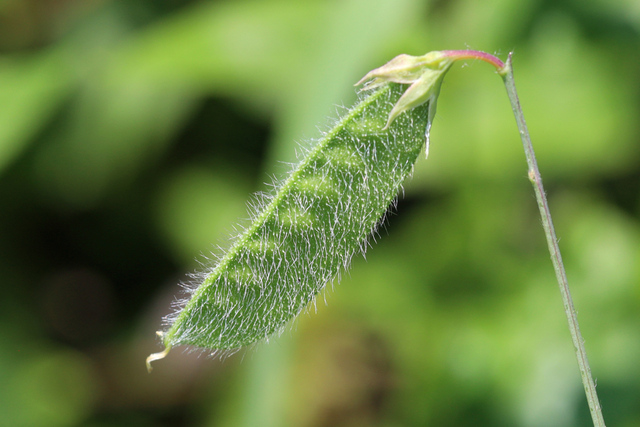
(475, 54)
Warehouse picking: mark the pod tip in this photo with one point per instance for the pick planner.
(157, 356)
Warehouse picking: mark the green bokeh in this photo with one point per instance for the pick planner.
(132, 134)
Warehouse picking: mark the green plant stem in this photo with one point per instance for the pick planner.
(536, 180)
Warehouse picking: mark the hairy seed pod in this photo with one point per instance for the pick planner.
(318, 218)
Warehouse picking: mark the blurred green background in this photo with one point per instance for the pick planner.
(132, 133)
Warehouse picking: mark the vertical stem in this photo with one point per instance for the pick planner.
(534, 176)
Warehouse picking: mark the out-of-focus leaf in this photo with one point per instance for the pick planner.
(30, 90)
(581, 112)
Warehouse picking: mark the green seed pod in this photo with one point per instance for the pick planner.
(311, 227)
